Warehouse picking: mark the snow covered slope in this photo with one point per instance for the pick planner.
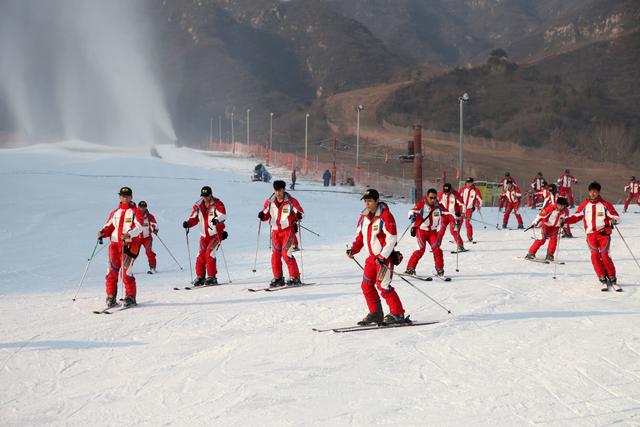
(520, 348)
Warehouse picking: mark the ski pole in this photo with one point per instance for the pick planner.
(255, 261)
(86, 268)
(189, 253)
(481, 216)
(625, 243)
(226, 267)
(481, 222)
(458, 249)
(404, 232)
(165, 246)
(301, 249)
(414, 287)
(310, 231)
(555, 262)
(122, 270)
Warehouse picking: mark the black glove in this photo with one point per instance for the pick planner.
(412, 218)
(185, 224)
(224, 235)
(261, 215)
(396, 257)
(100, 240)
(299, 215)
(413, 232)
(295, 228)
(350, 253)
(381, 260)
(214, 221)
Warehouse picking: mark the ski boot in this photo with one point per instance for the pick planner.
(276, 282)
(211, 281)
(440, 272)
(504, 226)
(296, 249)
(470, 239)
(391, 319)
(549, 257)
(460, 248)
(374, 317)
(111, 302)
(410, 271)
(129, 301)
(605, 283)
(152, 270)
(520, 226)
(530, 256)
(294, 281)
(613, 282)
(199, 281)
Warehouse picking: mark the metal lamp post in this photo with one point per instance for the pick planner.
(358, 109)
(248, 111)
(211, 132)
(306, 142)
(463, 99)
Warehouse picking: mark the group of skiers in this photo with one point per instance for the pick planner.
(132, 226)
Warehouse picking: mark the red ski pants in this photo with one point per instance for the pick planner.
(467, 223)
(512, 206)
(281, 248)
(550, 233)
(448, 220)
(422, 237)
(503, 202)
(116, 260)
(599, 246)
(206, 261)
(147, 242)
(631, 197)
(567, 192)
(376, 278)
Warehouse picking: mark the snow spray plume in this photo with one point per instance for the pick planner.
(81, 69)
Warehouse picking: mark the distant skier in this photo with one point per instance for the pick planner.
(211, 214)
(599, 218)
(513, 196)
(503, 184)
(427, 219)
(551, 219)
(451, 201)
(326, 177)
(123, 227)
(537, 184)
(633, 188)
(149, 227)
(294, 177)
(282, 211)
(565, 183)
(471, 200)
(376, 232)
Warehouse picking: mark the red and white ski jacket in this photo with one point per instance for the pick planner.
(126, 218)
(281, 215)
(428, 217)
(632, 187)
(471, 197)
(536, 183)
(514, 195)
(566, 181)
(550, 216)
(376, 232)
(451, 202)
(597, 215)
(203, 215)
(503, 182)
(548, 198)
(149, 224)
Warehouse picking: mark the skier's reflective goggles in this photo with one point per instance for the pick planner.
(142, 204)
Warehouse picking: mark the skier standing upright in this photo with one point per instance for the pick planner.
(149, 227)
(123, 227)
(633, 188)
(376, 232)
(471, 200)
(282, 211)
(513, 196)
(451, 201)
(211, 214)
(551, 219)
(565, 184)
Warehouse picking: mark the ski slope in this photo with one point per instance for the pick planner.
(520, 348)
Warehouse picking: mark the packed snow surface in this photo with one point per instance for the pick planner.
(519, 349)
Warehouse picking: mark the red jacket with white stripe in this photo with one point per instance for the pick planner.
(281, 215)
(205, 215)
(536, 183)
(548, 198)
(451, 202)
(632, 187)
(428, 217)
(566, 181)
(550, 217)
(471, 197)
(597, 215)
(504, 180)
(376, 232)
(126, 218)
(514, 195)
(149, 224)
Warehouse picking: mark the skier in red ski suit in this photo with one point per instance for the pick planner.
(565, 182)
(537, 184)
(149, 227)
(123, 227)
(633, 188)
(282, 211)
(551, 219)
(427, 217)
(450, 201)
(503, 183)
(471, 200)
(513, 197)
(376, 232)
(211, 214)
(599, 218)
(549, 196)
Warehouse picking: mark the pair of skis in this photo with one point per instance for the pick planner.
(190, 288)
(425, 278)
(279, 288)
(375, 327)
(114, 309)
(542, 261)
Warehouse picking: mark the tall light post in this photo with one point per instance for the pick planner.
(219, 129)
(233, 137)
(248, 111)
(211, 131)
(306, 142)
(358, 109)
(270, 135)
(463, 99)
